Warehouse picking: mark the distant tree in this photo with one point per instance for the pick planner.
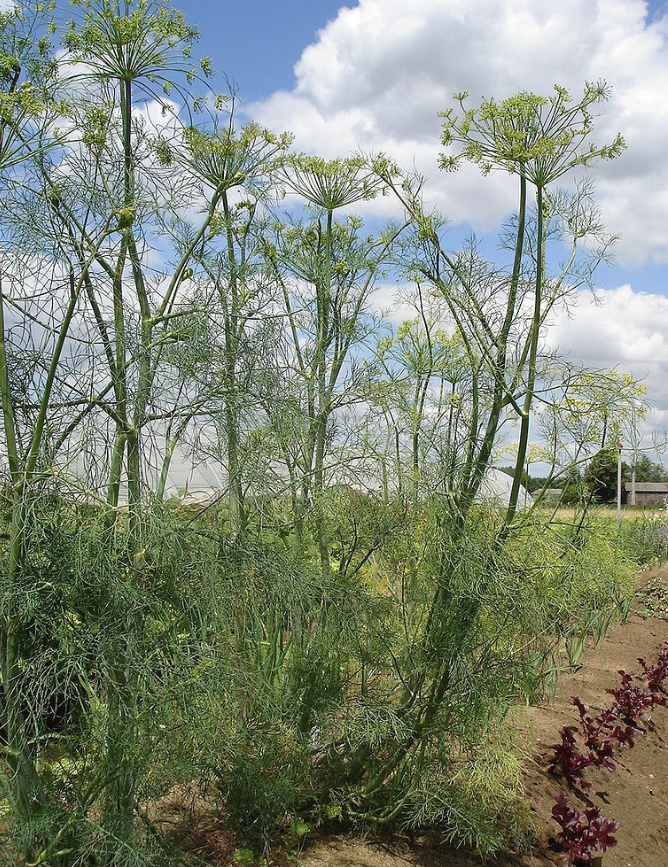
(572, 487)
(600, 477)
(650, 471)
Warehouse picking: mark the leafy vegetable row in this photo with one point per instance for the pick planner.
(585, 831)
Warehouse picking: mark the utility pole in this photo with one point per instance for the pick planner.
(619, 487)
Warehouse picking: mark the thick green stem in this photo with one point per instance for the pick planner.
(118, 807)
(500, 366)
(323, 409)
(230, 305)
(119, 801)
(26, 783)
(533, 355)
(9, 422)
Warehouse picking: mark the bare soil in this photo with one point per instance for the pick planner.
(635, 794)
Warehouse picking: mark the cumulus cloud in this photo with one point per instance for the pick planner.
(379, 73)
(377, 76)
(620, 329)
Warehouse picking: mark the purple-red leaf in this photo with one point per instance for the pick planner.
(582, 832)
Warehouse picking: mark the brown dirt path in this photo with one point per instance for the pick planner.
(635, 794)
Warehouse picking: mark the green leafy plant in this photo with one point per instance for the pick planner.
(652, 599)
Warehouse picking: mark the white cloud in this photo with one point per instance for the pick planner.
(380, 72)
(394, 305)
(617, 329)
(378, 75)
(621, 329)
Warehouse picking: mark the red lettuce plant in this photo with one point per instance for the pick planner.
(568, 757)
(632, 700)
(583, 832)
(656, 674)
(600, 736)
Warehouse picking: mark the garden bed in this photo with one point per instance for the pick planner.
(635, 794)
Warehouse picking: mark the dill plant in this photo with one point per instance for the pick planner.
(314, 651)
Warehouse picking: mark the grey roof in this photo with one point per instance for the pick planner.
(648, 487)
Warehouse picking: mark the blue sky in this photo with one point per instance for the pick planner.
(257, 43)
